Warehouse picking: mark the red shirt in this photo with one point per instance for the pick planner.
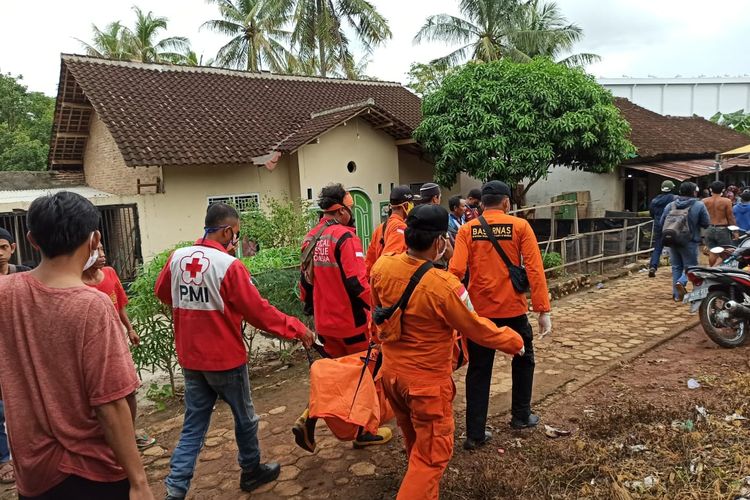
(112, 288)
(63, 355)
(210, 293)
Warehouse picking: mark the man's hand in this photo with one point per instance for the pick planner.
(140, 492)
(545, 324)
(308, 338)
(135, 339)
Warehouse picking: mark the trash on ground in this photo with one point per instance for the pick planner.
(680, 425)
(501, 451)
(693, 384)
(735, 417)
(702, 413)
(516, 443)
(638, 448)
(647, 483)
(599, 286)
(552, 432)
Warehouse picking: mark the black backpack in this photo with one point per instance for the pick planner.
(676, 229)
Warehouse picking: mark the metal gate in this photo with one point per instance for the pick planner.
(121, 238)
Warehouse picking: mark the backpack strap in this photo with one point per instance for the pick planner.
(382, 234)
(413, 282)
(310, 248)
(488, 231)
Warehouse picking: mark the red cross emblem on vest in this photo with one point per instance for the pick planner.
(193, 267)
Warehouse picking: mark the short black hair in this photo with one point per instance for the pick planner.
(420, 240)
(331, 195)
(454, 202)
(62, 222)
(688, 189)
(717, 187)
(492, 200)
(475, 193)
(219, 214)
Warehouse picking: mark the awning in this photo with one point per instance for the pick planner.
(738, 152)
(687, 169)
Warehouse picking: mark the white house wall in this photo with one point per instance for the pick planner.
(607, 190)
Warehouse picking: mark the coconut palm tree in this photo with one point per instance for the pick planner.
(142, 43)
(492, 29)
(319, 31)
(257, 31)
(109, 43)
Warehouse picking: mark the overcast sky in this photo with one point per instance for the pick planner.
(636, 38)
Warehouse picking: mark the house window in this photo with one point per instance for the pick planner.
(351, 167)
(309, 193)
(392, 186)
(242, 202)
(416, 186)
(380, 189)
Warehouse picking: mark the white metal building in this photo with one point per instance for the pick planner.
(684, 96)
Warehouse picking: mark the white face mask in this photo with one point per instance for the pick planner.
(93, 257)
(442, 252)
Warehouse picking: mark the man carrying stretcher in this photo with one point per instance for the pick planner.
(334, 289)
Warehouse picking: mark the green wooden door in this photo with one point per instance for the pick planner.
(362, 216)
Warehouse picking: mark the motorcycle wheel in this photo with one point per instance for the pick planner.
(718, 325)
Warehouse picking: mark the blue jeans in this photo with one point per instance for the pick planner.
(658, 249)
(4, 450)
(682, 257)
(201, 391)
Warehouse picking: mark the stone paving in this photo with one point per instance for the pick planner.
(593, 330)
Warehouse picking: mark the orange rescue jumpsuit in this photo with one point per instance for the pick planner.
(394, 241)
(417, 368)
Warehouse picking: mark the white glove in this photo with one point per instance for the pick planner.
(545, 324)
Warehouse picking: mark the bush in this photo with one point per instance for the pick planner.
(552, 259)
(283, 224)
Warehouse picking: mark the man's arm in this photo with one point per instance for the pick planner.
(163, 286)
(704, 218)
(459, 261)
(394, 237)
(135, 339)
(532, 259)
(372, 250)
(117, 424)
(353, 266)
(730, 214)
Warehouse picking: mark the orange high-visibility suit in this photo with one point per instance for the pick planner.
(417, 368)
(393, 241)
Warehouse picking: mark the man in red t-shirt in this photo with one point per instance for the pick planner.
(105, 279)
(66, 371)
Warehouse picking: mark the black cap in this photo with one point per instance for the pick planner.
(428, 190)
(428, 218)
(475, 193)
(5, 235)
(400, 195)
(496, 188)
(745, 195)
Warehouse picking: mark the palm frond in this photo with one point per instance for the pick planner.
(446, 28)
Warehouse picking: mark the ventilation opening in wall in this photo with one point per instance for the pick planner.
(309, 193)
(392, 185)
(351, 167)
(380, 189)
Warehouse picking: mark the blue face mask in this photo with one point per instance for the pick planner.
(235, 236)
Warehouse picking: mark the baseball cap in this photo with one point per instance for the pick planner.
(496, 188)
(400, 195)
(428, 190)
(5, 235)
(428, 218)
(745, 195)
(667, 186)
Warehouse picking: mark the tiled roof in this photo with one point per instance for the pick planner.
(180, 115)
(659, 137)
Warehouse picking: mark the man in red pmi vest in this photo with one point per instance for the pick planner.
(334, 288)
(211, 293)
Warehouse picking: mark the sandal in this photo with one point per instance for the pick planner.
(144, 442)
(7, 473)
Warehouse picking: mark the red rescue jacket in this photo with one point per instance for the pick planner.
(340, 295)
(210, 293)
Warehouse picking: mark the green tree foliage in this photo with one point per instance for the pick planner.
(319, 32)
(513, 121)
(25, 125)
(258, 37)
(514, 29)
(140, 43)
(424, 79)
(738, 121)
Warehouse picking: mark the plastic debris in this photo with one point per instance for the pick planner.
(735, 417)
(599, 286)
(693, 384)
(501, 451)
(679, 425)
(552, 432)
(647, 483)
(638, 448)
(702, 413)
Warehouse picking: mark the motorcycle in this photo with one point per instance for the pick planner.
(721, 295)
(727, 252)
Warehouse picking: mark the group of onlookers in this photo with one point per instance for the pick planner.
(683, 221)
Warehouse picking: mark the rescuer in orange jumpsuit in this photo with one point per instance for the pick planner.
(401, 202)
(494, 296)
(417, 367)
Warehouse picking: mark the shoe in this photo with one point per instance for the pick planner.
(681, 292)
(304, 431)
(532, 421)
(262, 474)
(652, 272)
(472, 444)
(144, 442)
(366, 439)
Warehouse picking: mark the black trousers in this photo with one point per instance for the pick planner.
(479, 377)
(78, 488)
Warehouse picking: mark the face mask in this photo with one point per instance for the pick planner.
(441, 252)
(93, 257)
(351, 222)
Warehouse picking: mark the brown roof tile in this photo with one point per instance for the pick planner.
(668, 137)
(178, 115)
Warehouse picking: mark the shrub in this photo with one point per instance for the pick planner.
(282, 224)
(552, 259)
